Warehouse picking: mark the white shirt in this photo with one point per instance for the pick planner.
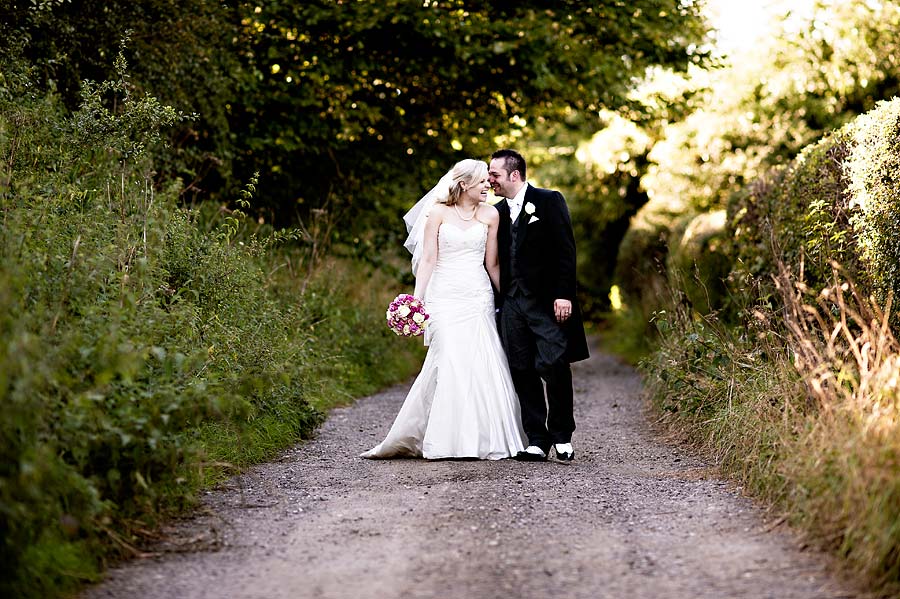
(515, 203)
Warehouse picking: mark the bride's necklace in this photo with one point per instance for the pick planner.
(461, 217)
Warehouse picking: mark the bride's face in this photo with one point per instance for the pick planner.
(478, 191)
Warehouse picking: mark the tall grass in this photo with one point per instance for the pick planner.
(345, 351)
(847, 477)
(801, 406)
(142, 345)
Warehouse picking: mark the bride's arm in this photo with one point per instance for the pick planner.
(429, 251)
(491, 254)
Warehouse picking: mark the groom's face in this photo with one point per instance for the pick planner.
(501, 180)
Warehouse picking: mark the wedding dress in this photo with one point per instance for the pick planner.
(463, 403)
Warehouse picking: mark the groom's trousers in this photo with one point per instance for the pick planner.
(536, 347)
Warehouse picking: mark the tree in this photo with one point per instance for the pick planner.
(813, 74)
(361, 102)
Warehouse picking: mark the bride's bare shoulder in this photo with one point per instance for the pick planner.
(487, 213)
(437, 212)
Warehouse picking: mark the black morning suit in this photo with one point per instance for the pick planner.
(537, 266)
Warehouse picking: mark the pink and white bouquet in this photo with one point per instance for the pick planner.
(406, 315)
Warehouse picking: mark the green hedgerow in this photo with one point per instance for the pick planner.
(141, 343)
(874, 172)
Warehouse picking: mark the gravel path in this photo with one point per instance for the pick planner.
(631, 517)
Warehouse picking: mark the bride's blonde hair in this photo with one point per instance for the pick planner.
(468, 171)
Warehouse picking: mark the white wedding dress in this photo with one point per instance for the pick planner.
(462, 404)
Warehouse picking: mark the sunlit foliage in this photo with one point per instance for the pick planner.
(813, 74)
(817, 71)
(359, 105)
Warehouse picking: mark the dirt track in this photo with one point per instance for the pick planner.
(631, 517)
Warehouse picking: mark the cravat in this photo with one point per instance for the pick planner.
(514, 209)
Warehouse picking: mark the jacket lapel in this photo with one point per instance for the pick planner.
(503, 231)
(524, 217)
(503, 207)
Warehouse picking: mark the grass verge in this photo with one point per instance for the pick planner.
(801, 407)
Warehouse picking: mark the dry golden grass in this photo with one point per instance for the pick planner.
(801, 407)
(845, 462)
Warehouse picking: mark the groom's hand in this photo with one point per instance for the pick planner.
(562, 308)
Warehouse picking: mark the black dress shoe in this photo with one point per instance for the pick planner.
(567, 454)
(527, 456)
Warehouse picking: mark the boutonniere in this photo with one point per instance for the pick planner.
(529, 208)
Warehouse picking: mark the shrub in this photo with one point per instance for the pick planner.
(874, 172)
(837, 201)
(697, 261)
(640, 280)
(800, 406)
(799, 398)
(811, 220)
(139, 342)
(640, 270)
(748, 218)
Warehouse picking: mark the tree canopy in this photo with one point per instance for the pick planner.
(358, 101)
(720, 128)
(815, 73)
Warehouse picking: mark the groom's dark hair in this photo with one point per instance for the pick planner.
(512, 159)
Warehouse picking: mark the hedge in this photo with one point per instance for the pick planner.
(837, 202)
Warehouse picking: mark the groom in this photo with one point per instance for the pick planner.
(540, 323)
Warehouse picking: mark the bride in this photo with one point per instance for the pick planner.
(463, 403)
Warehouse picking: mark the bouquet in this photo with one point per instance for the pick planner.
(406, 315)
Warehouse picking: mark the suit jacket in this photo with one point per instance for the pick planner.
(546, 257)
